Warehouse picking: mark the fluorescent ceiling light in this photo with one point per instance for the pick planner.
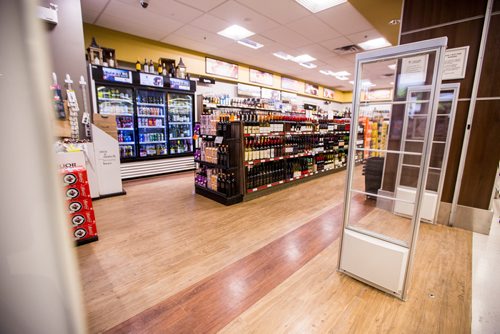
(308, 65)
(392, 67)
(392, 83)
(367, 83)
(351, 82)
(236, 32)
(341, 74)
(251, 44)
(324, 72)
(282, 55)
(319, 5)
(343, 78)
(305, 58)
(374, 44)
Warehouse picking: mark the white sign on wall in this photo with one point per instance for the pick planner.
(414, 70)
(455, 63)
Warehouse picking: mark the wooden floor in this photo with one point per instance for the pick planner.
(161, 246)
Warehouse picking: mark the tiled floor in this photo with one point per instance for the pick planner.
(486, 278)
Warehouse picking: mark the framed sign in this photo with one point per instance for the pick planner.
(377, 95)
(272, 94)
(311, 89)
(221, 68)
(180, 84)
(248, 90)
(289, 84)
(264, 78)
(288, 97)
(116, 75)
(328, 93)
(151, 80)
(455, 63)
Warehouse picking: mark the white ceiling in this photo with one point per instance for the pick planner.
(280, 25)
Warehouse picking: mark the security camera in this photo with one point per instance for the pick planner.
(144, 3)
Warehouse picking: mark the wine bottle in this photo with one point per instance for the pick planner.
(138, 66)
(151, 67)
(111, 61)
(145, 66)
(160, 68)
(164, 69)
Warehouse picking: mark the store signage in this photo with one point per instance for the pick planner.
(455, 63)
(219, 140)
(116, 75)
(248, 90)
(221, 68)
(328, 93)
(151, 80)
(263, 78)
(311, 89)
(290, 84)
(206, 80)
(272, 94)
(414, 70)
(180, 84)
(288, 97)
(376, 95)
(310, 107)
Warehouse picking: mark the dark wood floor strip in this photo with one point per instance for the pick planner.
(212, 303)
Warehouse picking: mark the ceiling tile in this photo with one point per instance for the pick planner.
(235, 13)
(89, 15)
(167, 8)
(202, 36)
(117, 23)
(313, 29)
(345, 19)
(182, 41)
(274, 9)
(287, 37)
(315, 50)
(210, 23)
(204, 5)
(137, 16)
(95, 5)
(364, 36)
(334, 43)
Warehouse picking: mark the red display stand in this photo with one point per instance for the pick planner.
(79, 205)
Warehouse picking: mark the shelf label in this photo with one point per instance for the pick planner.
(219, 139)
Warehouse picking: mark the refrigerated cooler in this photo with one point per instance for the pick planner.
(154, 115)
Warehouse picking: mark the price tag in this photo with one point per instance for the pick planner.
(219, 139)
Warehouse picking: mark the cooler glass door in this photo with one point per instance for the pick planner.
(118, 101)
(180, 123)
(151, 123)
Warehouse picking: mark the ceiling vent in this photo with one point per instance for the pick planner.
(347, 50)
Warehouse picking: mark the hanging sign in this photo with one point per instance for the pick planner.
(151, 80)
(455, 63)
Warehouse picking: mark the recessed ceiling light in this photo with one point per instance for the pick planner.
(392, 83)
(236, 32)
(394, 22)
(341, 74)
(305, 58)
(351, 82)
(325, 72)
(374, 44)
(282, 55)
(308, 65)
(367, 83)
(319, 5)
(251, 44)
(392, 67)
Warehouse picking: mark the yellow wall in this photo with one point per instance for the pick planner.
(130, 48)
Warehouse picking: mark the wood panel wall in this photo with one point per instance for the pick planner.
(424, 19)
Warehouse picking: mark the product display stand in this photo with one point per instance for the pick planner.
(264, 150)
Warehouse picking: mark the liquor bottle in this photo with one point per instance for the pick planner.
(151, 67)
(111, 61)
(160, 68)
(145, 66)
(138, 66)
(164, 69)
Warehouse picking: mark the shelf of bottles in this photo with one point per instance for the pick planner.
(118, 101)
(276, 148)
(284, 148)
(180, 111)
(218, 157)
(151, 123)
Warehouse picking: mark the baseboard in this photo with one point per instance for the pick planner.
(473, 219)
(121, 193)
